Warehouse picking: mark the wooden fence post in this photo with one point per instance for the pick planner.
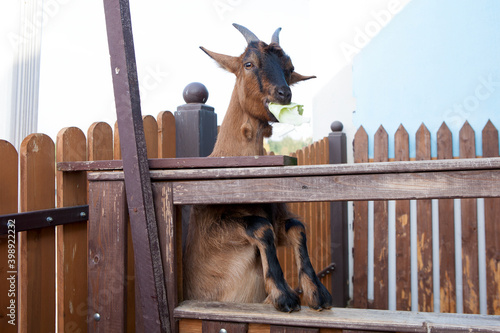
(338, 223)
(195, 123)
(195, 132)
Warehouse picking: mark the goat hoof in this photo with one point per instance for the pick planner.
(319, 299)
(287, 302)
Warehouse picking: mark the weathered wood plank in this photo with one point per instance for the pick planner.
(71, 240)
(8, 200)
(470, 267)
(166, 220)
(381, 244)
(446, 231)
(107, 257)
(339, 318)
(492, 228)
(403, 252)
(184, 163)
(149, 272)
(360, 226)
(217, 326)
(424, 231)
(288, 329)
(37, 247)
(316, 170)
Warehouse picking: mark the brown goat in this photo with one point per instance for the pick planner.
(230, 253)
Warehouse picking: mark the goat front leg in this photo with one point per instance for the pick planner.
(315, 293)
(260, 233)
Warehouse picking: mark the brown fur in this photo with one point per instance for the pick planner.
(230, 252)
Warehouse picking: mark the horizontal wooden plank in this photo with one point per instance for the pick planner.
(446, 184)
(341, 318)
(317, 170)
(183, 163)
(43, 218)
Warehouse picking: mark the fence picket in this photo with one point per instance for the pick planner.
(492, 228)
(380, 251)
(117, 152)
(325, 218)
(447, 275)
(424, 231)
(8, 205)
(100, 145)
(37, 247)
(403, 251)
(71, 239)
(151, 133)
(360, 226)
(470, 268)
(166, 134)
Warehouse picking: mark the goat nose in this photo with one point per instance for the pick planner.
(284, 94)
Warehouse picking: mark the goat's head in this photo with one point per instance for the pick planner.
(264, 74)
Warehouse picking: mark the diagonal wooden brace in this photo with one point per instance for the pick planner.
(148, 265)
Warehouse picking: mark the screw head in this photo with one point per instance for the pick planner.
(223, 330)
(97, 316)
(49, 219)
(83, 214)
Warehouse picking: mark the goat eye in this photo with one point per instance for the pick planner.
(248, 65)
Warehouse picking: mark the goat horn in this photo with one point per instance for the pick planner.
(276, 36)
(249, 36)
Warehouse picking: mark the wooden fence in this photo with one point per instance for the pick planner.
(401, 226)
(50, 289)
(50, 264)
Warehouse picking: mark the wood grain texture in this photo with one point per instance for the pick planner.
(403, 252)
(360, 226)
(184, 163)
(492, 228)
(288, 329)
(447, 276)
(37, 278)
(381, 225)
(424, 231)
(216, 326)
(339, 318)
(166, 134)
(166, 220)
(100, 145)
(107, 257)
(71, 240)
(470, 268)
(151, 134)
(8, 205)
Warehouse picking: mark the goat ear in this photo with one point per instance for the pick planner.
(296, 77)
(229, 63)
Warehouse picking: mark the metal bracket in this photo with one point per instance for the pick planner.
(12, 223)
